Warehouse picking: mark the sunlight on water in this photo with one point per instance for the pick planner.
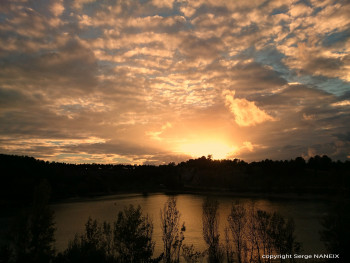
(71, 217)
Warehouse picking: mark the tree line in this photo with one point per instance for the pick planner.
(21, 174)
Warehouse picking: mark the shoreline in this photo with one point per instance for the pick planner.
(202, 192)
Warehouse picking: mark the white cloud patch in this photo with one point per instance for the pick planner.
(246, 112)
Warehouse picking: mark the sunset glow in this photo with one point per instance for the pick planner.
(218, 150)
(91, 81)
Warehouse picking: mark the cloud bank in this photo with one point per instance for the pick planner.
(134, 81)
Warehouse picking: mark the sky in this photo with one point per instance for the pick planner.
(160, 81)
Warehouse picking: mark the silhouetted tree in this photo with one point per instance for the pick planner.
(255, 233)
(281, 232)
(190, 255)
(130, 240)
(210, 219)
(228, 247)
(94, 245)
(20, 174)
(336, 229)
(253, 236)
(133, 236)
(263, 231)
(32, 237)
(172, 235)
(237, 224)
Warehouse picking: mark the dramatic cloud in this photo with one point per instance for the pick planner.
(246, 112)
(158, 81)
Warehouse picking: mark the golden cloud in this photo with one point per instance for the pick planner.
(246, 112)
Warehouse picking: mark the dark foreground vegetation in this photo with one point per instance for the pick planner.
(21, 174)
(27, 183)
(249, 234)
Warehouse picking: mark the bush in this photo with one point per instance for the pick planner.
(130, 240)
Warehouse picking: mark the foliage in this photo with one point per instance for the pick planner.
(250, 233)
(255, 233)
(130, 240)
(133, 236)
(336, 229)
(190, 255)
(20, 175)
(229, 252)
(94, 245)
(32, 236)
(281, 231)
(210, 219)
(172, 235)
(237, 222)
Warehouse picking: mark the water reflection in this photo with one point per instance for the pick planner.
(71, 217)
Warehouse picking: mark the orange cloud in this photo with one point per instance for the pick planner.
(163, 3)
(57, 8)
(156, 134)
(246, 112)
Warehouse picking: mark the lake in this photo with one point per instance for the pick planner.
(70, 217)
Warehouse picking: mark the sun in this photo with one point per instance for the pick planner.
(218, 149)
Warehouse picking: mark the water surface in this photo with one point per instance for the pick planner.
(71, 217)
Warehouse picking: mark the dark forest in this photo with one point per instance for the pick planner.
(318, 175)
